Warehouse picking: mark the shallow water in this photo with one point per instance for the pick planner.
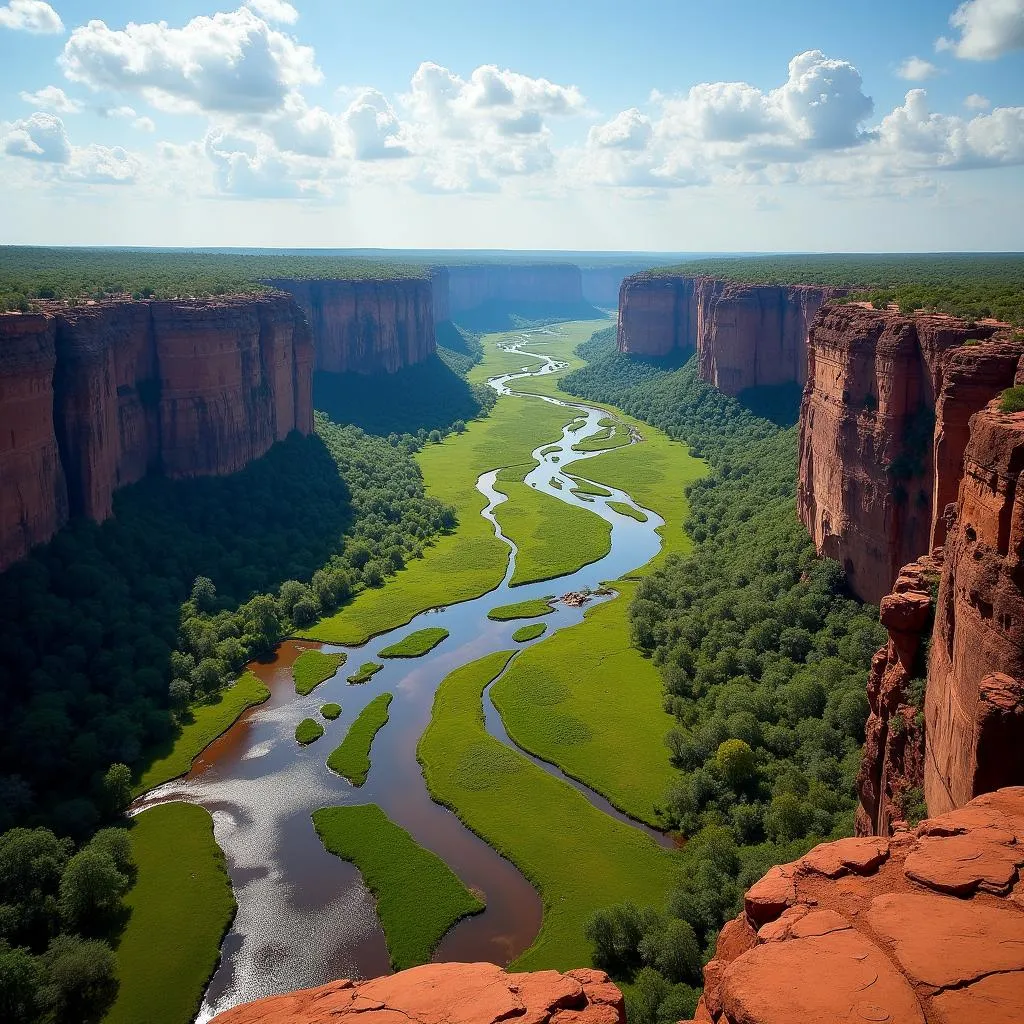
(304, 916)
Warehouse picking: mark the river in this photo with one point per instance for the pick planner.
(304, 916)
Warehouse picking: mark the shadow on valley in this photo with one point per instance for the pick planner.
(506, 316)
(778, 403)
(427, 396)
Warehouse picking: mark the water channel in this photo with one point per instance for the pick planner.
(304, 916)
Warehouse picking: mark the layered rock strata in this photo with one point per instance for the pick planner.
(892, 769)
(446, 994)
(744, 335)
(882, 435)
(368, 326)
(974, 708)
(94, 397)
(926, 927)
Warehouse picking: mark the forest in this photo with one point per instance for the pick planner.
(763, 655)
(969, 285)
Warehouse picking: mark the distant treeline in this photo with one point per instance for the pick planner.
(970, 285)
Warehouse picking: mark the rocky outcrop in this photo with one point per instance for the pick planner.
(367, 326)
(744, 335)
(974, 708)
(870, 437)
(473, 285)
(446, 994)
(892, 768)
(926, 927)
(33, 493)
(96, 396)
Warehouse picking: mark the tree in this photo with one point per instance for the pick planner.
(116, 844)
(31, 864)
(737, 763)
(117, 789)
(90, 891)
(459, 426)
(671, 947)
(204, 594)
(19, 980)
(179, 693)
(79, 982)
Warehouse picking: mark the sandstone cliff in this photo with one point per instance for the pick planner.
(94, 397)
(974, 708)
(744, 335)
(446, 994)
(924, 928)
(368, 326)
(870, 439)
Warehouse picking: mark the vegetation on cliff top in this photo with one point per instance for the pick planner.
(418, 896)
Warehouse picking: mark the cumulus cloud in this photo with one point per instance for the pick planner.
(374, 128)
(248, 166)
(227, 63)
(628, 130)
(144, 124)
(274, 10)
(31, 16)
(916, 69)
(51, 97)
(987, 29)
(40, 137)
(977, 102)
(101, 165)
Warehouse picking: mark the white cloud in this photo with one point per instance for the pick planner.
(227, 63)
(40, 137)
(31, 16)
(51, 97)
(299, 128)
(144, 124)
(101, 165)
(916, 69)
(124, 112)
(988, 29)
(275, 10)
(627, 130)
(977, 102)
(374, 128)
(247, 166)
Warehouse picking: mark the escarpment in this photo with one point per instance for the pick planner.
(974, 706)
(882, 432)
(925, 927)
(97, 396)
(744, 335)
(369, 326)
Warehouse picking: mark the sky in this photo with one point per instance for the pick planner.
(713, 126)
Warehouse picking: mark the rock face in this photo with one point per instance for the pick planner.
(974, 710)
(923, 928)
(371, 326)
(472, 286)
(744, 335)
(95, 397)
(446, 994)
(881, 432)
(893, 763)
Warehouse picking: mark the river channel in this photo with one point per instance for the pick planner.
(304, 916)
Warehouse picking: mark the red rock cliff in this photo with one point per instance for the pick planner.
(923, 928)
(744, 335)
(33, 493)
(974, 706)
(446, 994)
(100, 395)
(371, 326)
(869, 438)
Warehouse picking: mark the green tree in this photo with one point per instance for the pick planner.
(117, 789)
(78, 980)
(19, 981)
(90, 891)
(204, 594)
(737, 763)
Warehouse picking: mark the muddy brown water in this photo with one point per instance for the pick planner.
(306, 917)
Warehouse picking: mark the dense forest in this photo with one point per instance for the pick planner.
(763, 656)
(971, 285)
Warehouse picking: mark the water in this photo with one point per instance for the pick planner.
(304, 916)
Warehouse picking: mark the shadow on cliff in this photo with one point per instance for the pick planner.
(508, 316)
(425, 396)
(779, 403)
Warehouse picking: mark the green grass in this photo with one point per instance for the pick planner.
(311, 668)
(418, 896)
(627, 510)
(550, 448)
(331, 711)
(208, 722)
(415, 645)
(603, 440)
(585, 487)
(309, 730)
(1012, 400)
(351, 759)
(577, 857)
(556, 483)
(366, 672)
(553, 538)
(530, 632)
(470, 561)
(181, 905)
(522, 609)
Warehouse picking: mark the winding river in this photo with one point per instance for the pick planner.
(304, 916)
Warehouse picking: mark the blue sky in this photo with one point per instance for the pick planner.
(733, 125)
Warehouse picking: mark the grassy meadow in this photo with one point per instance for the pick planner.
(312, 668)
(521, 610)
(351, 758)
(415, 645)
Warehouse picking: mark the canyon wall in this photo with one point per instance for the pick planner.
(744, 335)
(94, 397)
(475, 285)
(601, 285)
(882, 432)
(925, 927)
(370, 326)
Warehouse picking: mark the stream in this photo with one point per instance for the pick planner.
(305, 917)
